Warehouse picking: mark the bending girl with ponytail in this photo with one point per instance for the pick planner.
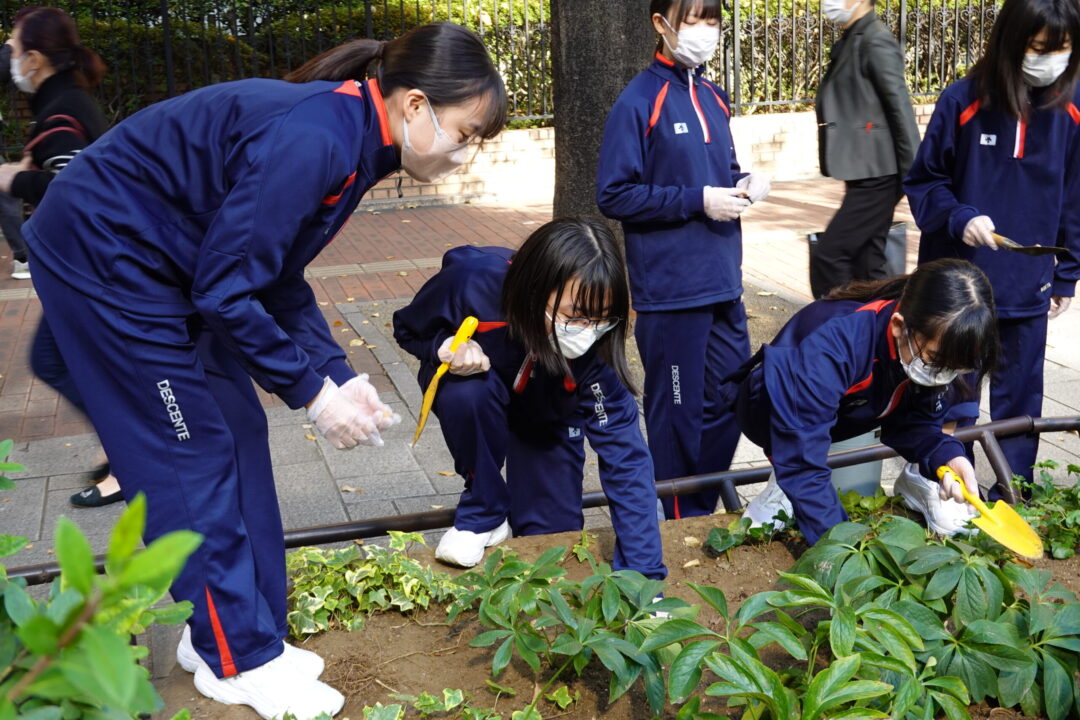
(175, 248)
(871, 354)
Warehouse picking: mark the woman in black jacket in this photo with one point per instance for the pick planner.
(48, 62)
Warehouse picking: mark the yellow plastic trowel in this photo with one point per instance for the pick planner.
(1000, 522)
(463, 335)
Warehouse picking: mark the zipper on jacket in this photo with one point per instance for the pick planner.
(1021, 132)
(697, 107)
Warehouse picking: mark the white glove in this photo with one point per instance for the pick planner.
(363, 393)
(341, 421)
(469, 359)
(724, 203)
(756, 186)
(964, 470)
(977, 232)
(1058, 305)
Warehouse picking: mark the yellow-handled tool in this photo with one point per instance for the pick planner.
(463, 335)
(1001, 522)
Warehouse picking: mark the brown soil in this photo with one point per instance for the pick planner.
(394, 654)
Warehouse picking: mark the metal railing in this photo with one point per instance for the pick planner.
(986, 435)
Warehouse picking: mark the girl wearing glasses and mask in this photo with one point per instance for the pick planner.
(1002, 156)
(668, 173)
(545, 371)
(868, 355)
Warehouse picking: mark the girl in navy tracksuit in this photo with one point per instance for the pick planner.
(876, 354)
(545, 371)
(668, 173)
(169, 257)
(1002, 154)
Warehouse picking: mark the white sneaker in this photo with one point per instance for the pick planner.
(20, 270)
(273, 689)
(464, 548)
(945, 517)
(764, 508)
(307, 662)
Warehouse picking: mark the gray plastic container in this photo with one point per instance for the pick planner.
(864, 479)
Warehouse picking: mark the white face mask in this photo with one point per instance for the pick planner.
(836, 11)
(573, 342)
(1042, 70)
(696, 43)
(921, 373)
(23, 82)
(444, 157)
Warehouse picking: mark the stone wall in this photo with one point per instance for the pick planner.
(518, 167)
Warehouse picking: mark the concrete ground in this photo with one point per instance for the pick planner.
(375, 265)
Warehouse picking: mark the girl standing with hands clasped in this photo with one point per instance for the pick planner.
(868, 355)
(1002, 156)
(668, 173)
(169, 257)
(547, 370)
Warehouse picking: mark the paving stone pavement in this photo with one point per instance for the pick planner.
(381, 259)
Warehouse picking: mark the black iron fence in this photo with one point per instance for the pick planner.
(772, 56)
(774, 53)
(156, 49)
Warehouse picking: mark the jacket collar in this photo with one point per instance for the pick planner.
(54, 87)
(860, 25)
(672, 71)
(379, 156)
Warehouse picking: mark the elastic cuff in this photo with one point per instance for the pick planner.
(337, 370)
(1063, 288)
(959, 219)
(693, 201)
(303, 392)
(947, 451)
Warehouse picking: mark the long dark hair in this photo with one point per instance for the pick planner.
(676, 11)
(447, 62)
(559, 252)
(52, 32)
(998, 77)
(947, 299)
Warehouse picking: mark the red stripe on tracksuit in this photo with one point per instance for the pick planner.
(228, 668)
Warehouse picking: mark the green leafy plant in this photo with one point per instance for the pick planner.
(860, 508)
(340, 588)
(739, 532)
(6, 467)
(1054, 511)
(532, 610)
(68, 656)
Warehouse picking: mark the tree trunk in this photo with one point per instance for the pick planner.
(597, 47)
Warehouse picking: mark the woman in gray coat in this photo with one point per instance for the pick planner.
(867, 137)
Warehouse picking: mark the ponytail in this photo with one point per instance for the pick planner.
(867, 290)
(445, 61)
(344, 62)
(88, 67)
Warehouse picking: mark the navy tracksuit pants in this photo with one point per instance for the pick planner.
(545, 461)
(1015, 389)
(684, 352)
(181, 423)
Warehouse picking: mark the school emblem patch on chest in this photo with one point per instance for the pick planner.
(680, 129)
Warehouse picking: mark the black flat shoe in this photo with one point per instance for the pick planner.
(92, 497)
(100, 472)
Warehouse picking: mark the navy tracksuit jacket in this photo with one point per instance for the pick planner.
(833, 373)
(169, 257)
(535, 422)
(1024, 175)
(667, 137)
